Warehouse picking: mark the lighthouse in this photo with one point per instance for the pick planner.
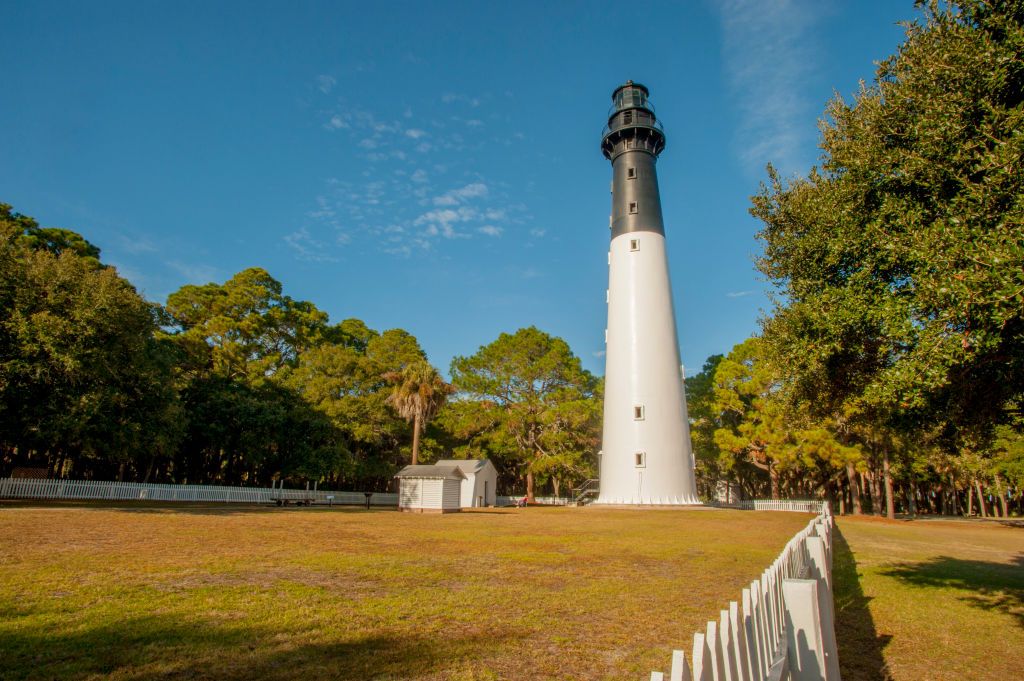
(646, 456)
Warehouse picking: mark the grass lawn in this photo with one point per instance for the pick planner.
(93, 591)
(929, 599)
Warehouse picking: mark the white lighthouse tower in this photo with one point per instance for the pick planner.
(646, 455)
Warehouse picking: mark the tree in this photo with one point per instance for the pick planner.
(900, 263)
(758, 427)
(245, 328)
(753, 426)
(419, 393)
(704, 421)
(526, 396)
(83, 379)
(343, 377)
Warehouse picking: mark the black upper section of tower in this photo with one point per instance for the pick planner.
(632, 124)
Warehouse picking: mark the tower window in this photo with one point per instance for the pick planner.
(632, 207)
(638, 412)
(630, 173)
(641, 459)
(634, 244)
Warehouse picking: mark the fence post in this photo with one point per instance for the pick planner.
(738, 637)
(702, 666)
(806, 649)
(730, 664)
(714, 644)
(820, 571)
(752, 635)
(680, 669)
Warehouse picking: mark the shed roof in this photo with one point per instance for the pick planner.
(467, 466)
(435, 471)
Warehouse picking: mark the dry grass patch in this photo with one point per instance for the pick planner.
(94, 591)
(929, 600)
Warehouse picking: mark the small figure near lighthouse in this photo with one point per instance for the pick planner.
(646, 455)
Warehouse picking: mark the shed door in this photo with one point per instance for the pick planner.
(452, 494)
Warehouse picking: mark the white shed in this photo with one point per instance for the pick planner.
(430, 489)
(478, 489)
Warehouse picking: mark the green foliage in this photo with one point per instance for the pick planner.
(81, 371)
(525, 398)
(901, 262)
(756, 432)
(246, 326)
(419, 393)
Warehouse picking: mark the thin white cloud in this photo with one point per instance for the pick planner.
(598, 353)
(454, 98)
(193, 273)
(538, 232)
(490, 230)
(461, 195)
(738, 294)
(137, 245)
(325, 83)
(309, 249)
(336, 123)
(415, 133)
(769, 48)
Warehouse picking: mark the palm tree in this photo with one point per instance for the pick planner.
(419, 393)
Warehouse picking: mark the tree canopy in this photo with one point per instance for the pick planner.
(527, 397)
(899, 263)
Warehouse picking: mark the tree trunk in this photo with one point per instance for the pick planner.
(851, 476)
(529, 487)
(773, 476)
(415, 439)
(555, 485)
(876, 494)
(956, 496)
(970, 500)
(58, 471)
(869, 491)
(912, 500)
(149, 469)
(890, 507)
(1002, 497)
(981, 499)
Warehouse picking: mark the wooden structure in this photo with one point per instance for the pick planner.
(430, 489)
(478, 489)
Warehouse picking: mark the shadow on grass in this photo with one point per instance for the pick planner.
(1011, 522)
(991, 586)
(860, 646)
(167, 648)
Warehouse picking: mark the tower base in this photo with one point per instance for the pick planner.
(648, 502)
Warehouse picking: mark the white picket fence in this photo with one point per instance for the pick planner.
(797, 505)
(542, 501)
(18, 488)
(30, 488)
(783, 628)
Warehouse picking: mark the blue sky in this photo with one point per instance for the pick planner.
(430, 166)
